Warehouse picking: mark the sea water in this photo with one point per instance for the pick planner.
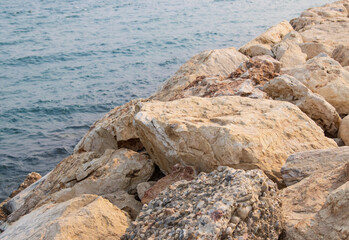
(63, 64)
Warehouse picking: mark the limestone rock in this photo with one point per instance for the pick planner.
(233, 131)
(293, 36)
(303, 164)
(143, 187)
(341, 54)
(86, 173)
(178, 173)
(85, 217)
(113, 131)
(224, 204)
(326, 77)
(304, 203)
(287, 88)
(312, 49)
(344, 130)
(262, 44)
(219, 62)
(289, 53)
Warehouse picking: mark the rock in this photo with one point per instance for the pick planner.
(341, 54)
(245, 81)
(303, 164)
(293, 36)
(30, 179)
(85, 217)
(302, 205)
(113, 131)
(143, 187)
(219, 62)
(344, 130)
(289, 53)
(233, 131)
(267, 58)
(262, 44)
(312, 49)
(287, 88)
(125, 202)
(326, 77)
(86, 173)
(224, 204)
(178, 173)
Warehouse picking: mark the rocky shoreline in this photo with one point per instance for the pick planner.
(238, 144)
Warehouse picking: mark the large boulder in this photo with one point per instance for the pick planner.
(312, 49)
(115, 130)
(262, 45)
(303, 164)
(289, 53)
(341, 54)
(224, 204)
(287, 88)
(82, 218)
(233, 131)
(218, 62)
(86, 173)
(344, 130)
(326, 77)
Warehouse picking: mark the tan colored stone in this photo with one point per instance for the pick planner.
(341, 54)
(232, 131)
(289, 53)
(143, 187)
(287, 88)
(293, 36)
(219, 62)
(262, 44)
(312, 49)
(326, 77)
(113, 131)
(83, 218)
(178, 173)
(86, 173)
(344, 130)
(303, 164)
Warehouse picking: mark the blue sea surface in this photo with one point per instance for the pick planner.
(64, 64)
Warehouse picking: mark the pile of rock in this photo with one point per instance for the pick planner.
(279, 104)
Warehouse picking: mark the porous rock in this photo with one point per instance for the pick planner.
(82, 218)
(224, 204)
(287, 88)
(233, 131)
(344, 130)
(312, 49)
(326, 77)
(218, 62)
(289, 53)
(341, 54)
(303, 164)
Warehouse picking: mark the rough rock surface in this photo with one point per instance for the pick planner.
(245, 81)
(326, 77)
(86, 173)
(219, 62)
(301, 165)
(344, 130)
(312, 49)
(289, 53)
(304, 204)
(143, 187)
(178, 173)
(232, 131)
(262, 44)
(224, 204)
(341, 54)
(287, 88)
(85, 217)
(113, 131)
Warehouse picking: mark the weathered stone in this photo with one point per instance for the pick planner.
(341, 54)
(302, 205)
(303, 164)
(326, 77)
(312, 49)
(219, 62)
(178, 173)
(289, 53)
(344, 130)
(233, 131)
(293, 36)
(143, 187)
(85, 217)
(224, 204)
(262, 44)
(287, 88)
(267, 58)
(113, 131)
(86, 173)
